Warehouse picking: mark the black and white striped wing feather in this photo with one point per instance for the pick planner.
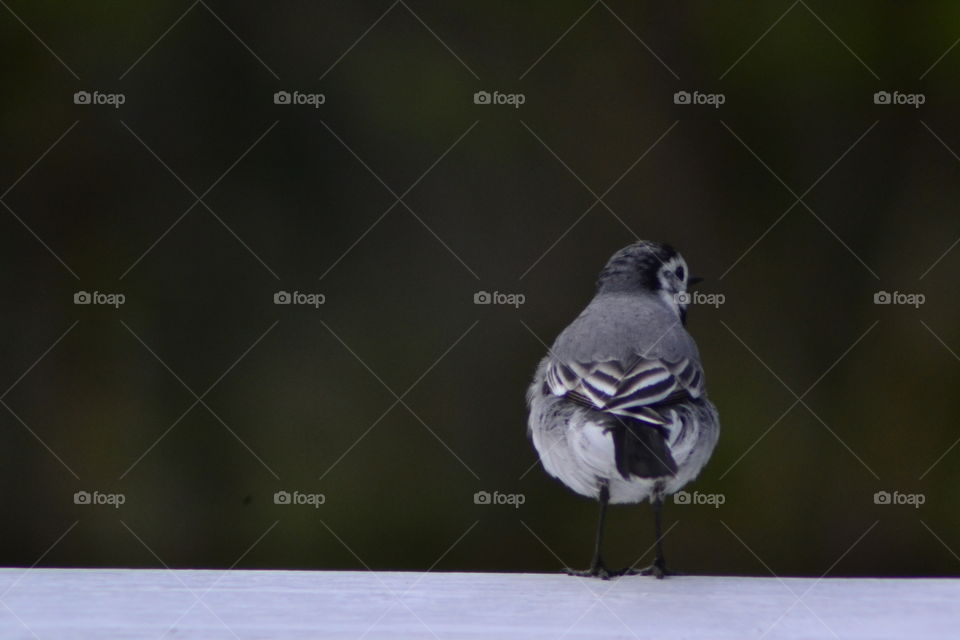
(636, 390)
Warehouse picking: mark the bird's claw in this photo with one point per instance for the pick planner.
(658, 570)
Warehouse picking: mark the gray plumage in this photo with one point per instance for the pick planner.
(618, 407)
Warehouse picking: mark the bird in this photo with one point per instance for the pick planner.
(618, 408)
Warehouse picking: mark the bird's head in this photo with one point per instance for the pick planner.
(649, 267)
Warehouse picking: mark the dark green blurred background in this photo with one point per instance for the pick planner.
(302, 207)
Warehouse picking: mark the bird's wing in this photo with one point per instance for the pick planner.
(635, 390)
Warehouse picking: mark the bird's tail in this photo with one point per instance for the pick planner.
(641, 449)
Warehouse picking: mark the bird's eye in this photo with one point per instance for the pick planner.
(680, 272)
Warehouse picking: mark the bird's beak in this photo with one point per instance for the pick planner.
(694, 280)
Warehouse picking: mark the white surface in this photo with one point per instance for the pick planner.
(88, 603)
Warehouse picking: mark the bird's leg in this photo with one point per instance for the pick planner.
(597, 568)
(659, 566)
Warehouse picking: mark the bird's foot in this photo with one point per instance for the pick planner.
(600, 571)
(658, 570)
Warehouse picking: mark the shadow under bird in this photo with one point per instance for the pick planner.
(618, 408)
